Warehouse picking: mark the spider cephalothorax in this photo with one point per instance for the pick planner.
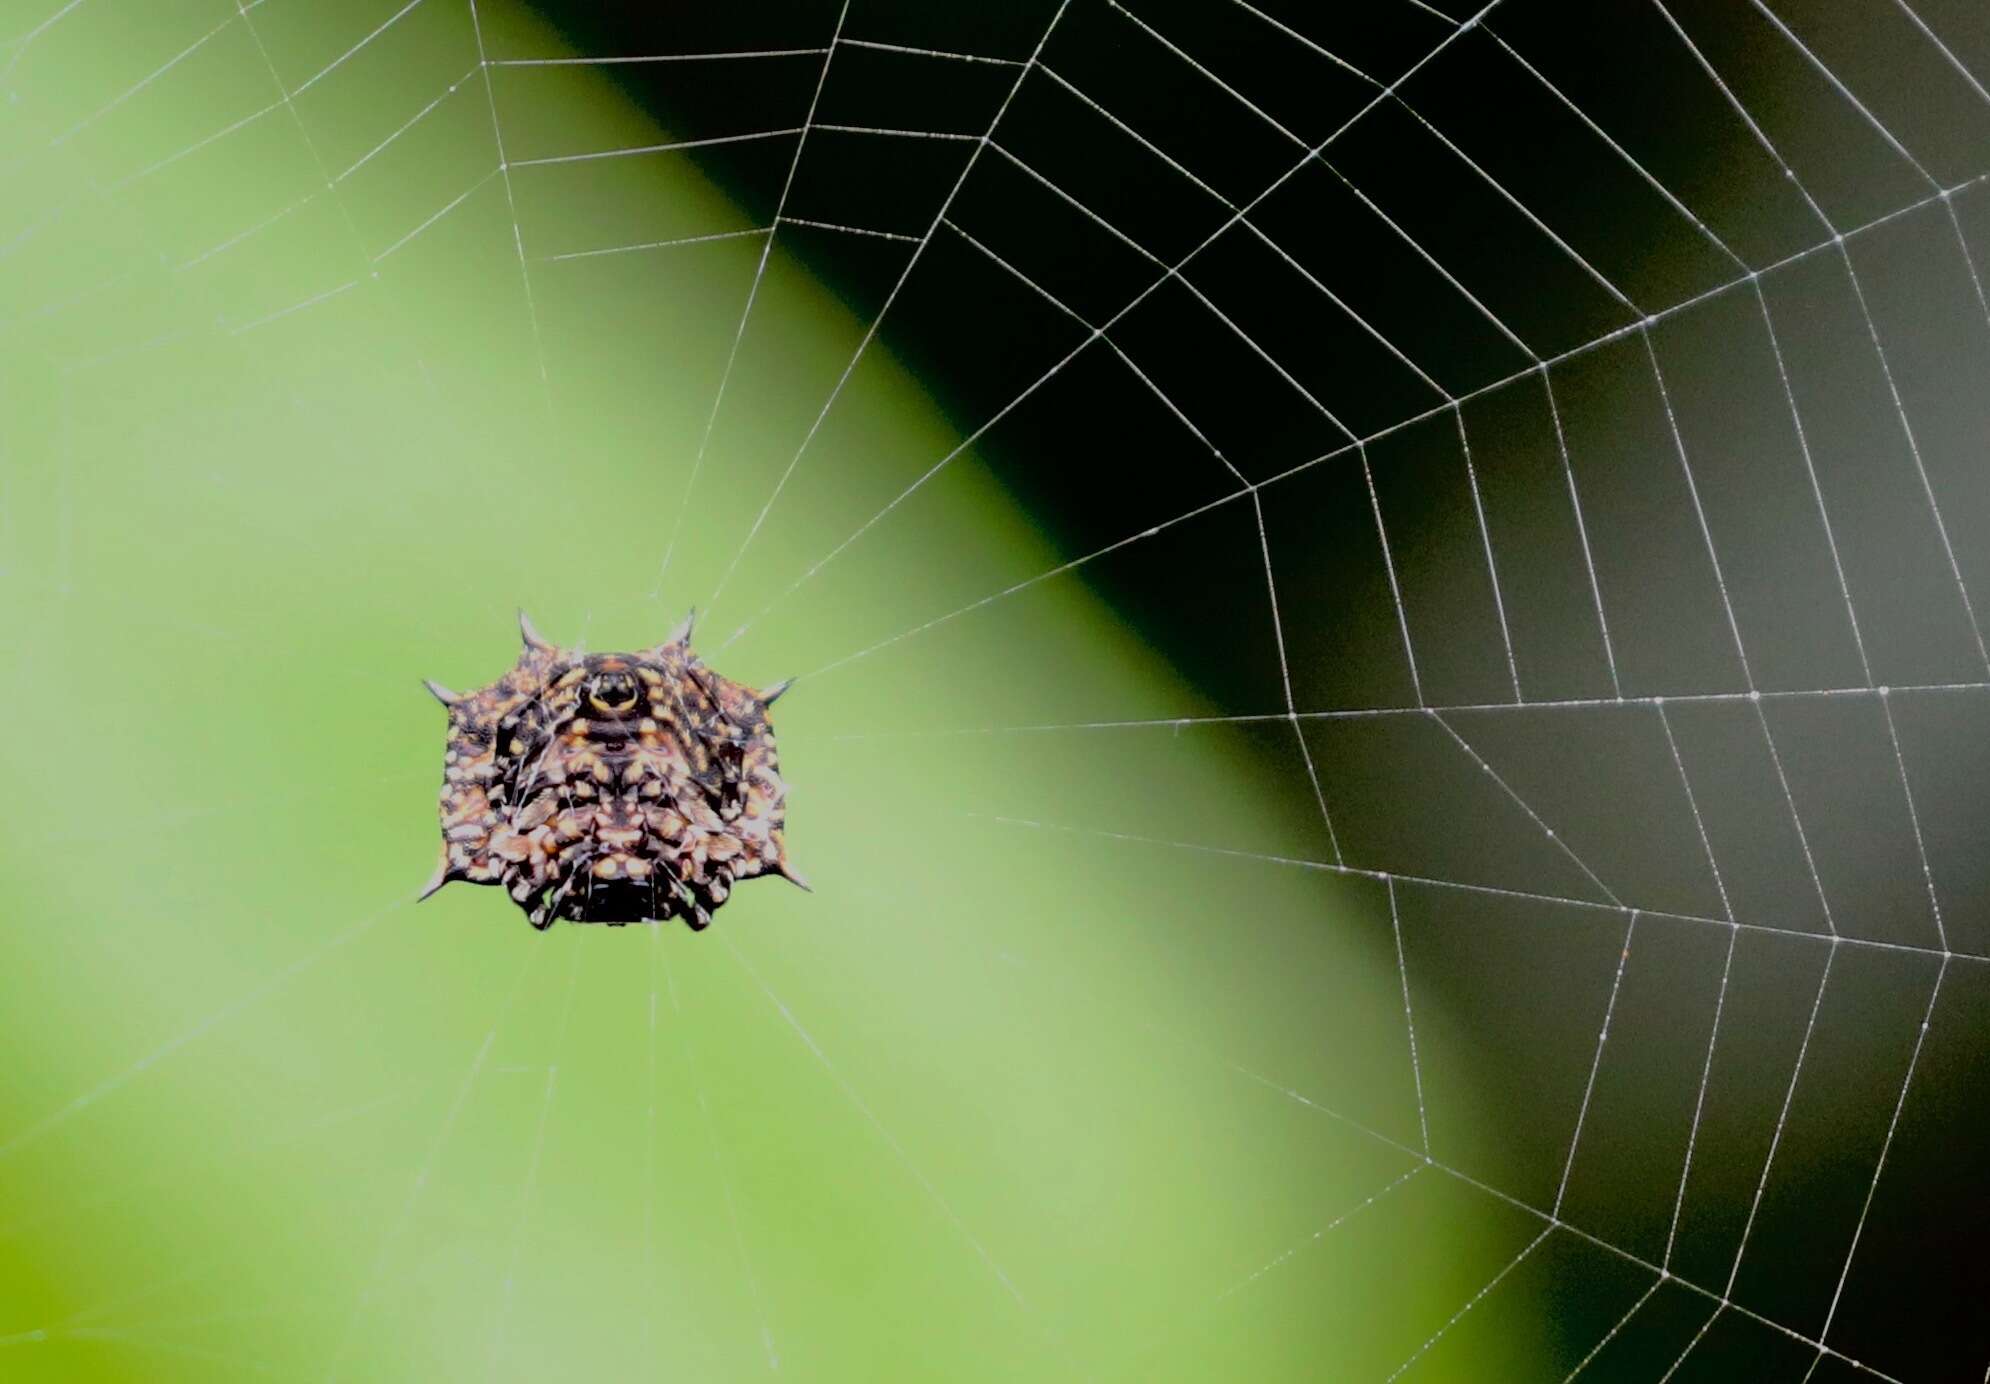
(611, 788)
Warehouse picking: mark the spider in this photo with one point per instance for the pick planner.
(611, 788)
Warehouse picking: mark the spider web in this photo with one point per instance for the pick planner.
(1553, 442)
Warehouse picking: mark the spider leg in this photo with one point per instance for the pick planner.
(550, 907)
(693, 912)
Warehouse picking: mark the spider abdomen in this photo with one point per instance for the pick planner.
(611, 788)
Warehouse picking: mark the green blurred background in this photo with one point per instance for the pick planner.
(1268, 922)
(967, 1111)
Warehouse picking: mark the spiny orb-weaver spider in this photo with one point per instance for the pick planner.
(611, 788)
